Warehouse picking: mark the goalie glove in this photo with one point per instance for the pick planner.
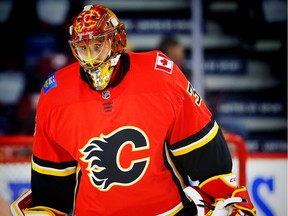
(224, 186)
(220, 196)
(22, 206)
(205, 206)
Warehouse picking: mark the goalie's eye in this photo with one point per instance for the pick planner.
(96, 47)
(82, 48)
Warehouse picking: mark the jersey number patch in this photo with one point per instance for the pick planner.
(193, 92)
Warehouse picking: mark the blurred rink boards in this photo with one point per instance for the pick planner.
(266, 180)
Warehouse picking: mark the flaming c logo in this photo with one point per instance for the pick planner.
(119, 158)
(87, 21)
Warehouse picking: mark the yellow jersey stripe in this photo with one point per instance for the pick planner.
(54, 172)
(199, 143)
(173, 211)
(175, 171)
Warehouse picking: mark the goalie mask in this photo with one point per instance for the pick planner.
(97, 40)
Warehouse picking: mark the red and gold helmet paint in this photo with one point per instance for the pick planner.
(97, 40)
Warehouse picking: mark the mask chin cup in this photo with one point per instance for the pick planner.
(100, 77)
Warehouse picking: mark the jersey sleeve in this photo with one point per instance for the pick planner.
(196, 140)
(53, 169)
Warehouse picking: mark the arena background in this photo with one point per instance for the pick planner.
(235, 52)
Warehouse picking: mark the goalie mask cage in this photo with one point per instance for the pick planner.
(15, 162)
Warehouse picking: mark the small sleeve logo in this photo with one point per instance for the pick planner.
(50, 83)
(163, 63)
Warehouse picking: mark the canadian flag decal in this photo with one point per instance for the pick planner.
(163, 63)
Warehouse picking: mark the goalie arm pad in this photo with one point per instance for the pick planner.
(222, 187)
(23, 206)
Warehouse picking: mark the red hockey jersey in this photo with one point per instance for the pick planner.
(127, 150)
